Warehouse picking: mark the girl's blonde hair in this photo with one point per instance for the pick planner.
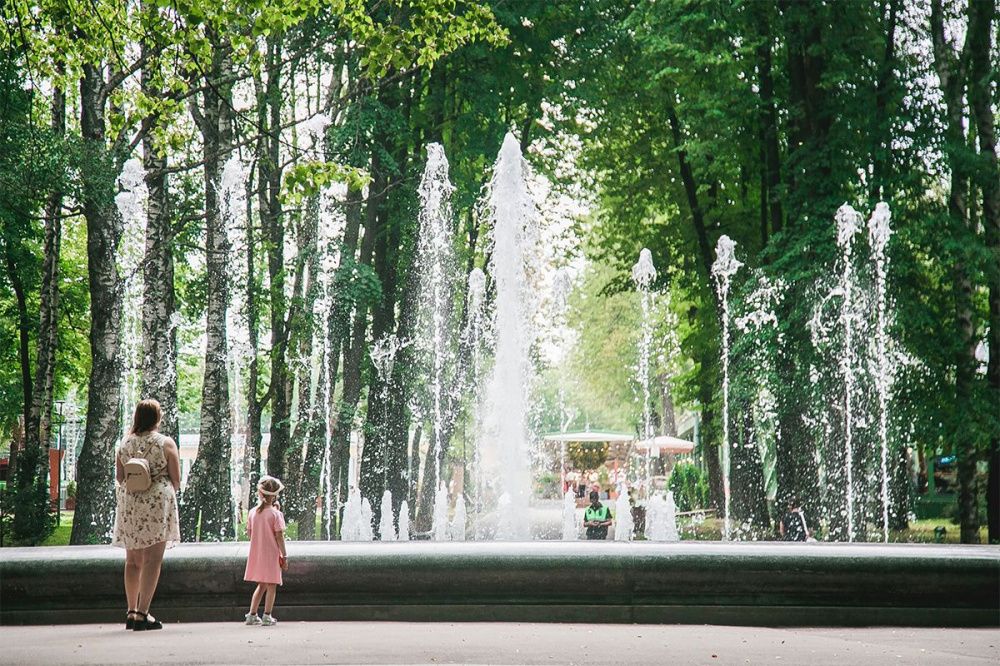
(268, 487)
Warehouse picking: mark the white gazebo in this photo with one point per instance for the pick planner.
(657, 446)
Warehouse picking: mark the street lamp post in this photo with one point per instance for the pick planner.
(59, 459)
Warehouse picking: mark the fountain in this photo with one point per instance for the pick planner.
(436, 258)
(404, 522)
(661, 518)
(504, 439)
(878, 234)
(365, 529)
(352, 528)
(848, 225)
(440, 529)
(456, 532)
(570, 532)
(723, 269)
(643, 275)
(624, 525)
(386, 529)
(233, 209)
(131, 204)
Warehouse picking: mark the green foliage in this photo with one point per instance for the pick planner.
(689, 485)
(307, 178)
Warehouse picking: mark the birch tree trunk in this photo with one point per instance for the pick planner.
(269, 187)
(207, 511)
(159, 332)
(95, 502)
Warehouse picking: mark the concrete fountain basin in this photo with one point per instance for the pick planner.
(777, 584)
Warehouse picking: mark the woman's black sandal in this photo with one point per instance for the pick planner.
(144, 624)
(129, 620)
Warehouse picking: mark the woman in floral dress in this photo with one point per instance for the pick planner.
(146, 523)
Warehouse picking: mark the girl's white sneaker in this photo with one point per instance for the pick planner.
(268, 621)
(252, 619)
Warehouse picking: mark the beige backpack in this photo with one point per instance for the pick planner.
(137, 477)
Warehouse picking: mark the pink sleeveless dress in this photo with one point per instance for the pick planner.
(262, 562)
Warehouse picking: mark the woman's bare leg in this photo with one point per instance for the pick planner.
(133, 567)
(272, 591)
(255, 600)
(150, 576)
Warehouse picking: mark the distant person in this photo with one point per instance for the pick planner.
(148, 475)
(597, 518)
(793, 525)
(267, 557)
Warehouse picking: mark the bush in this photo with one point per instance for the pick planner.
(690, 486)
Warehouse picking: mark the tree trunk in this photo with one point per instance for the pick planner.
(23, 329)
(309, 425)
(272, 221)
(95, 500)
(207, 508)
(338, 332)
(982, 16)
(951, 71)
(38, 423)
(159, 330)
(255, 405)
(771, 215)
(882, 128)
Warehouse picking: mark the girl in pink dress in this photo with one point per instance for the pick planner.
(267, 558)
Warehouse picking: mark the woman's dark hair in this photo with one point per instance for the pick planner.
(147, 416)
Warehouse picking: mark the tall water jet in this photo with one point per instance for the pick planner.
(624, 525)
(367, 533)
(878, 236)
(848, 225)
(436, 262)
(643, 275)
(456, 531)
(131, 204)
(440, 525)
(661, 518)
(723, 270)
(352, 528)
(386, 528)
(233, 209)
(404, 521)
(569, 529)
(473, 343)
(514, 220)
(671, 520)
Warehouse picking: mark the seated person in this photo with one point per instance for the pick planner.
(597, 518)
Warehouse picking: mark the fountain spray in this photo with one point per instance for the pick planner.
(848, 226)
(643, 275)
(723, 270)
(878, 235)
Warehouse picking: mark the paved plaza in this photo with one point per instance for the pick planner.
(492, 643)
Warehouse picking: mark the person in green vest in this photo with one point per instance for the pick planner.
(597, 518)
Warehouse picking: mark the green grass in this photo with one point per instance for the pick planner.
(60, 537)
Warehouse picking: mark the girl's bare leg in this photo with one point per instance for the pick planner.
(150, 574)
(272, 592)
(133, 567)
(255, 600)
